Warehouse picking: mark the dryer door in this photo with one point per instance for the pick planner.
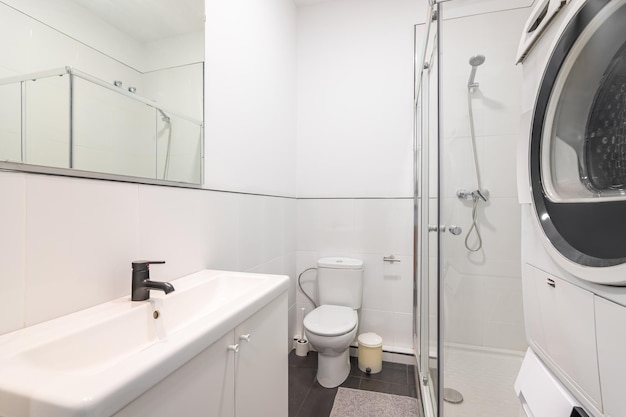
(578, 144)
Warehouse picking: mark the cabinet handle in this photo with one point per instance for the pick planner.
(245, 337)
(234, 348)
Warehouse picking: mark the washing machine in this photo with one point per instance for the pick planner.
(572, 190)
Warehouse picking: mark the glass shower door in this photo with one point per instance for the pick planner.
(426, 235)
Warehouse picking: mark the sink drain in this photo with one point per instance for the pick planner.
(452, 396)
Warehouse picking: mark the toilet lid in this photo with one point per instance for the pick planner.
(330, 320)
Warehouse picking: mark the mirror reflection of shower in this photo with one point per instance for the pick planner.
(168, 125)
(479, 194)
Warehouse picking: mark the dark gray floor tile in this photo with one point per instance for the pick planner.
(383, 386)
(354, 366)
(319, 402)
(308, 361)
(300, 382)
(351, 382)
(391, 372)
(411, 374)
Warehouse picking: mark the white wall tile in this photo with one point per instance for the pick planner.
(12, 251)
(305, 260)
(173, 226)
(81, 236)
(327, 224)
(72, 240)
(223, 218)
(378, 322)
(498, 157)
(384, 226)
(402, 331)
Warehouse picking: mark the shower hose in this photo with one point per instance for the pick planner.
(475, 196)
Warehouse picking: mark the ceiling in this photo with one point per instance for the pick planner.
(149, 20)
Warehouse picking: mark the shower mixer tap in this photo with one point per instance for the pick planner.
(473, 195)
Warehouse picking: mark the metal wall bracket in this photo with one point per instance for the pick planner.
(391, 259)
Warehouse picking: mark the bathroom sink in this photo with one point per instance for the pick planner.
(95, 361)
(200, 295)
(90, 347)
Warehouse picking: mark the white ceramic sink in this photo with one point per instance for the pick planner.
(94, 362)
(90, 348)
(199, 296)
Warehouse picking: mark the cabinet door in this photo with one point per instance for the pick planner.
(261, 365)
(201, 387)
(610, 324)
(561, 326)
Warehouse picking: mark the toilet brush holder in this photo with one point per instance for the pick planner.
(302, 347)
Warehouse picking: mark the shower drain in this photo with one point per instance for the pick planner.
(452, 396)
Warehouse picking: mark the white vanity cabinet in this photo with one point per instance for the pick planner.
(243, 374)
(261, 383)
(560, 327)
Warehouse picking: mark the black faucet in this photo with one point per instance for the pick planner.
(142, 285)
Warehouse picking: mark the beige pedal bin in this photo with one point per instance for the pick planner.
(370, 353)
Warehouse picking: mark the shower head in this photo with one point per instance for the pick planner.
(474, 61)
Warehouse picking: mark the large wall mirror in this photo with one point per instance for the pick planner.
(111, 87)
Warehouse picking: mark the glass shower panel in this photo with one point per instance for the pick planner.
(47, 121)
(426, 215)
(11, 122)
(113, 133)
(481, 336)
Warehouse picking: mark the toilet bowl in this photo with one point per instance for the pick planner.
(330, 330)
(332, 326)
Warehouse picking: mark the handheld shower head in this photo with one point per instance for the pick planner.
(474, 61)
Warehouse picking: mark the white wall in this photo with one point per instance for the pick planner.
(355, 97)
(68, 242)
(250, 96)
(354, 164)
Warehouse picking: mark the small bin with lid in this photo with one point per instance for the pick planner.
(370, 353)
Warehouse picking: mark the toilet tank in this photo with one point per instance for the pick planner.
(340, 282)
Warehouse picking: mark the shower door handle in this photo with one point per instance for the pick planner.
(455, 230)
(434, 228)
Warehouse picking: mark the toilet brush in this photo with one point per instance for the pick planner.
(302, 345)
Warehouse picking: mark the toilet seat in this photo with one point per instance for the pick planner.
(329, 320)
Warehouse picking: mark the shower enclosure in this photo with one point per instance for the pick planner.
(468, 327)
(66, 118)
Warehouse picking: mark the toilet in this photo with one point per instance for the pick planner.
(332, 327)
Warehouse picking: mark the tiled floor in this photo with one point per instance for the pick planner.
(307, 398)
